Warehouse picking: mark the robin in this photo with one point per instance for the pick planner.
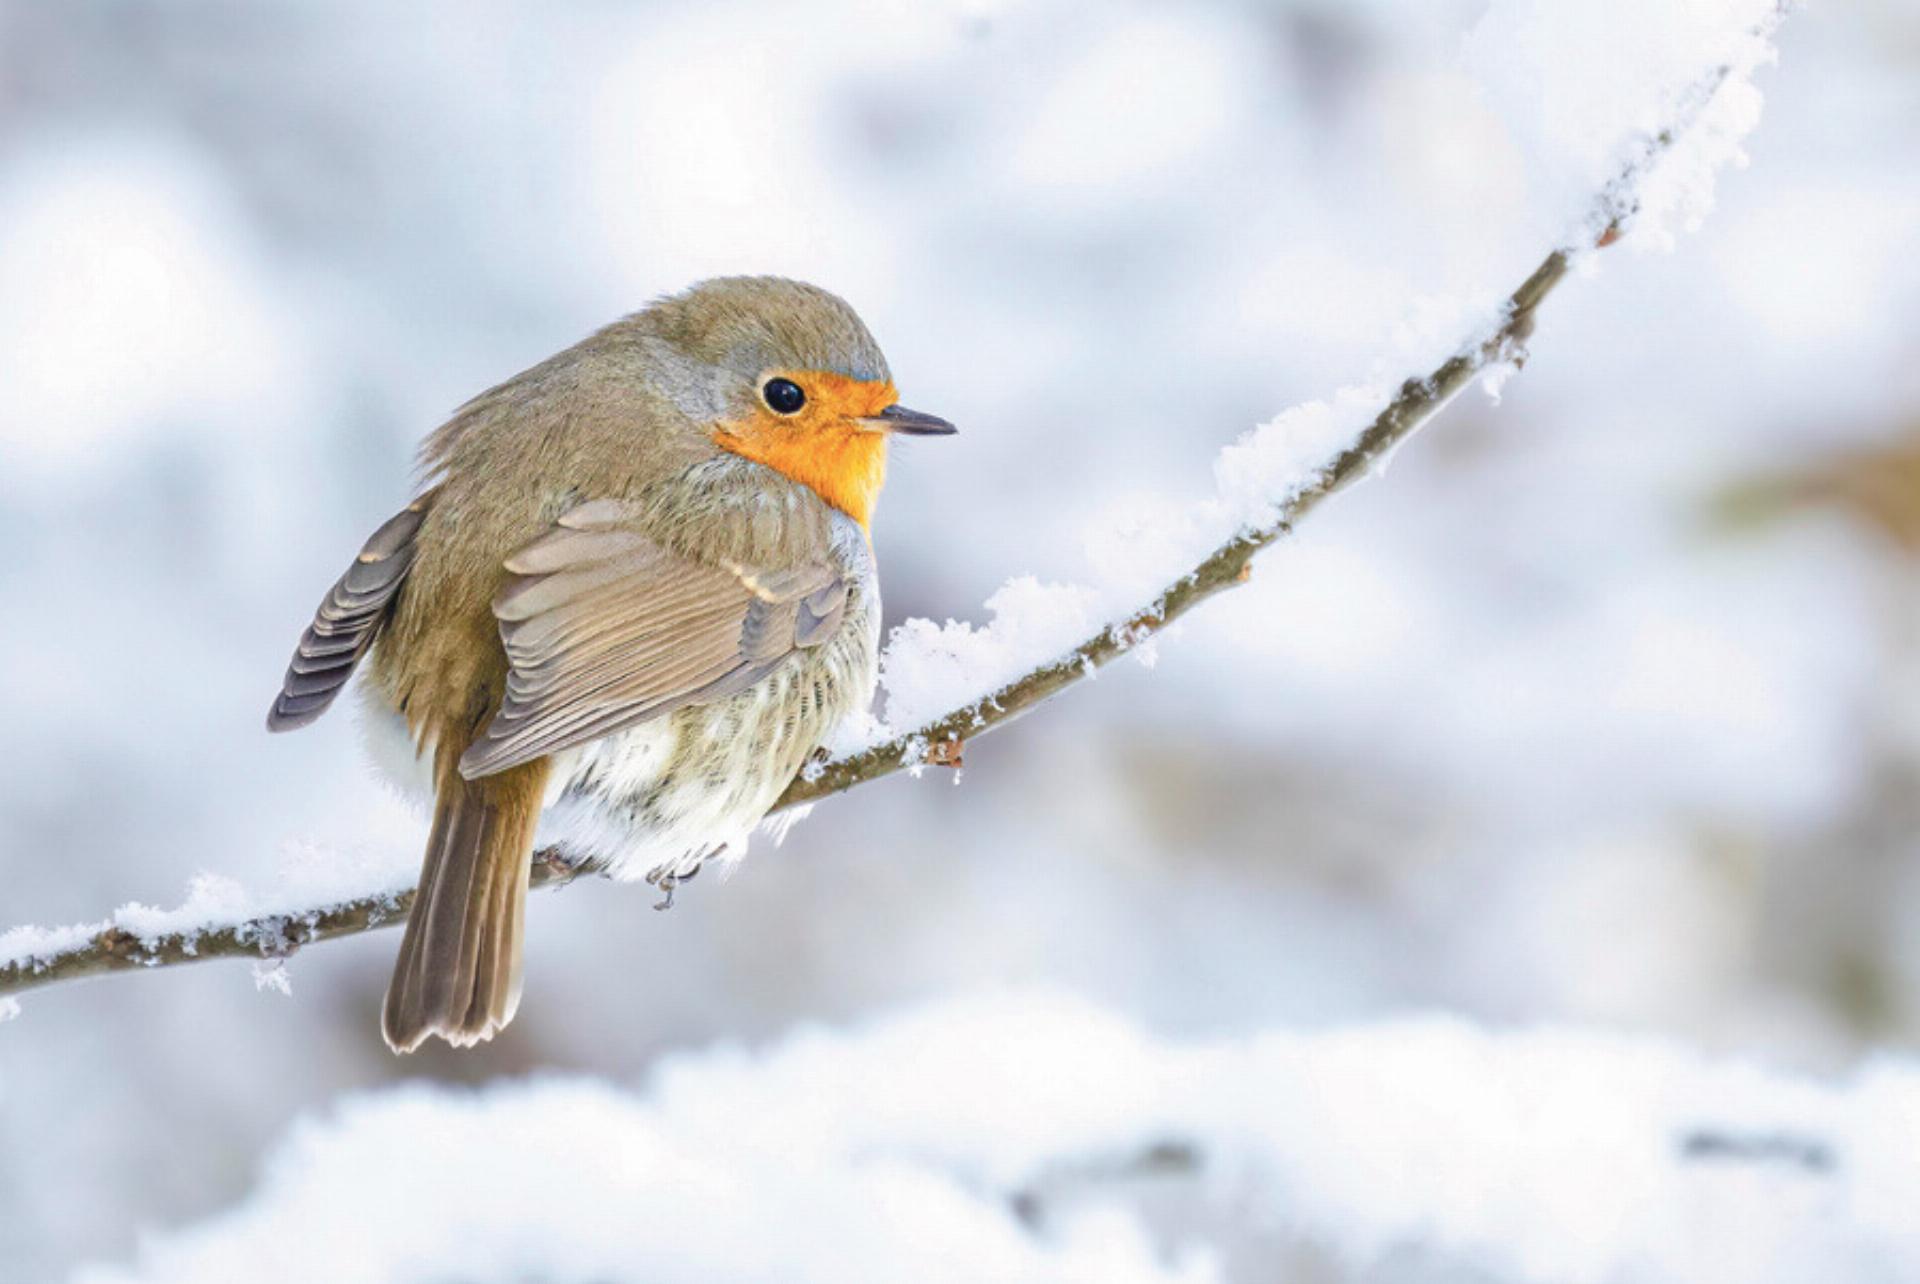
(636, 592)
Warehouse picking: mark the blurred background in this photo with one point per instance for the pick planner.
(1602, 707)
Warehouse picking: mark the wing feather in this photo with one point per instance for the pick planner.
(605, 627)
(347, 621)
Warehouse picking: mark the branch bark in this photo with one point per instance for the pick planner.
(113, 948)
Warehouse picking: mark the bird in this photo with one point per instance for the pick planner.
(634, 592)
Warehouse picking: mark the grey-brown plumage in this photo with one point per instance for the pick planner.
(604, 627)
(458, 974)
(635, 596)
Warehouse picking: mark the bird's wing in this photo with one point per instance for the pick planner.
(605, 627)
(347, 621)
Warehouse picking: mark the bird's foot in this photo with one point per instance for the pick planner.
(667, 879)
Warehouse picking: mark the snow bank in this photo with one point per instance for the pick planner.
(1037, 1138)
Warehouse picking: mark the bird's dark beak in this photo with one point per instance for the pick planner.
(912, 422)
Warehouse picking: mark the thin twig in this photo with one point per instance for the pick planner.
(115, 949)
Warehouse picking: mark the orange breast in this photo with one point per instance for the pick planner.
(822, 447)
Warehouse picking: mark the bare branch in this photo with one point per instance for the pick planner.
(112, 948)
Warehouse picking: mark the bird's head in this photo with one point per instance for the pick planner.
(792, 380)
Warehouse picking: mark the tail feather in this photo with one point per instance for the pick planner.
(458, 974)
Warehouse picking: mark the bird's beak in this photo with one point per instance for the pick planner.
(912, 422)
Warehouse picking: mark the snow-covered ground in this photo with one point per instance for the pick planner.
(1598, 709)
(1033, 1137)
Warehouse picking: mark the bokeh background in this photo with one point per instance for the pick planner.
(1602, 707)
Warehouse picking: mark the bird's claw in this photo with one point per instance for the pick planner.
(667, 881)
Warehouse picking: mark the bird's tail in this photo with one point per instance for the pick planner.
(458, 975)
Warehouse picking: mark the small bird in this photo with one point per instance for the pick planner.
(634, 594)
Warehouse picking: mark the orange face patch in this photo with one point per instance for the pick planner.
(823, 446)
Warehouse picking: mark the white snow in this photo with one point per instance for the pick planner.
(309, 882)
(1583, 88)
(1036, 1137)
(928, 669)
(273, 976)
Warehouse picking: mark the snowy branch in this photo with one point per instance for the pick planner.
(113, 947)
(141, 938)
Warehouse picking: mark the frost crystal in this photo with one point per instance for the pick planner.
(273, 976)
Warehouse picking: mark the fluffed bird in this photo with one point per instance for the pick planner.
(635, 592)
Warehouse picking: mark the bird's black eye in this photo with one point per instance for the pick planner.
(783, 396)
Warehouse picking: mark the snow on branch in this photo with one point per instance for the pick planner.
(1036, 1137)
(1642, 129)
